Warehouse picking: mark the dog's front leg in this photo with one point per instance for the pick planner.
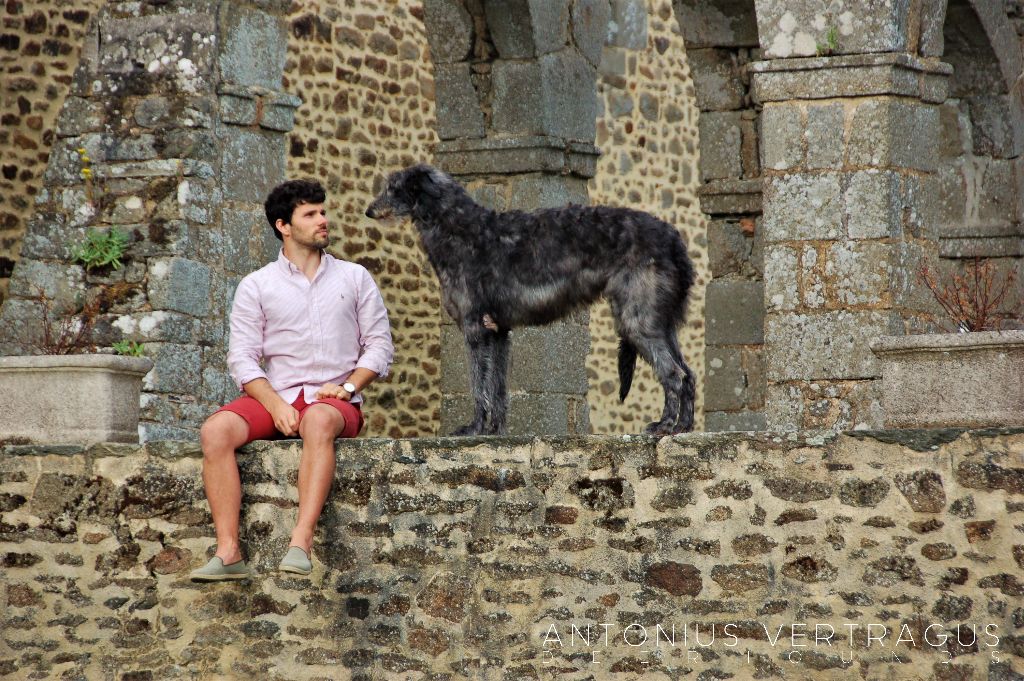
(479, 352)
(497, 386)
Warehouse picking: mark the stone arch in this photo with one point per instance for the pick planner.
(980, 172)
(721, 39)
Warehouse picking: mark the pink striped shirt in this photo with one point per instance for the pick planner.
(308, 333)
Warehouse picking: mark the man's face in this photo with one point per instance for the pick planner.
(309, 226)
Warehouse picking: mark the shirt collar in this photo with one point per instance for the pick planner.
(289, 267)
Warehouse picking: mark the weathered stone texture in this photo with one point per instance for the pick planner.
(419, 544)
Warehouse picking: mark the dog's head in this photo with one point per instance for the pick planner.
(406, 190)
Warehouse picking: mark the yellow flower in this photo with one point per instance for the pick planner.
(85, 159)
(82, 151)
(86, 173)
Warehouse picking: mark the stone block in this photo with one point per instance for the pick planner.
(458, 107)
(859, 274)
(240, 243)
(449, 30)
(782, 137)
(260, 154)
(796, 30)
(590, 28)
(949, 199)
(784, 408)
(179, 285)
(798, 207)
(547, 191)
(171, 45)
(253, 46)
(156, 326)
(825, 128)
(721, 142)
(724, 382)
(724, 23)
(829, 345)
(519, 98)
(238, 110)
(527, 28)
(717, 83)
(550, 359)
(739, 421)
(175, 369)
(79, 116)
(152, 111)
(990, 206)
(752, 358)
(731, 197)
(61, 282)
(628, 25)
(933, 18)
(278, 117)
(872, 204)
(993, 128)
(729, 248)
(570, 97)
(734, 312)
(887, 132)
(781, 284)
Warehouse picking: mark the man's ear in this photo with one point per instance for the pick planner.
(283, 227)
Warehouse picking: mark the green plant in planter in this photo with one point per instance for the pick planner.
(101, 249)
(129, 348)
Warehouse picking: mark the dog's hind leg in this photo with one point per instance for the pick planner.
(658, 352)
(496, 385)
(684, 421)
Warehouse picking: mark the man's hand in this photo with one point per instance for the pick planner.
(286, 418)
(333, 390)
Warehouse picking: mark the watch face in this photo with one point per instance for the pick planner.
(349, 388)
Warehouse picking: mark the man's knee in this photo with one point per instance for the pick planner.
(321, 420)
(222, 433)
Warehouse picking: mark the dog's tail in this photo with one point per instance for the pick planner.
(627, 364)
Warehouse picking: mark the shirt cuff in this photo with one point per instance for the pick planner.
(248, 378)
(379, 368)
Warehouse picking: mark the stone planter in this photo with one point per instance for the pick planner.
(952, 379)
(55, 399)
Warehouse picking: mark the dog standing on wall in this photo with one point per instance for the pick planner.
(499, 271)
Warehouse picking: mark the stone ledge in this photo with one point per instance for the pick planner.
(512, 155)
(731, 197)
(862, 75)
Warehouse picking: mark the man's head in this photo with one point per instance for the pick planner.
(286, 198)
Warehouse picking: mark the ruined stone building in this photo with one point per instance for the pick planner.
(813, 154)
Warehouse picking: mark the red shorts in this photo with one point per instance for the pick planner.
(261, 423)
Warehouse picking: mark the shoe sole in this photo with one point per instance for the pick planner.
(219, 578)
(293, 570)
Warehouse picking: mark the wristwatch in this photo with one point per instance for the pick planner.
(349, 388)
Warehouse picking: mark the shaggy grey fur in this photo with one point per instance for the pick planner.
(499, 271)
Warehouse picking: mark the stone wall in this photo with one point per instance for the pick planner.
(40, 44)
(453, 559)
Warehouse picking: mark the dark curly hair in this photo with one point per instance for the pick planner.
(287, 196)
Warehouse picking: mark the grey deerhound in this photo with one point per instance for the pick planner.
(499, 271)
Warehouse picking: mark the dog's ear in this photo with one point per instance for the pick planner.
(429, 181)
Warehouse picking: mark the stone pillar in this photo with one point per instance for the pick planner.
(721, 40)
(516, 105)
(849, 150)
(178, 109)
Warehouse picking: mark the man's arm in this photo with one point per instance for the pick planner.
(360, 378)
(374, 329)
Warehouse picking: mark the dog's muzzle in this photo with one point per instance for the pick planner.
(377, 213)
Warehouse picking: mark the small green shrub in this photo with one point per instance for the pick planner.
(129, 348)
(101, 249)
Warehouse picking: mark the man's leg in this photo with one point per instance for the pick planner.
(220, 436)
(320, 425)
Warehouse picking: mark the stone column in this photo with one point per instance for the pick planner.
(849, 149)
(178, 109)
(516, 106)
(721, 40)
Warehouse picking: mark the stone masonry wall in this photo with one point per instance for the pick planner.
(476, 558)
(40, 44)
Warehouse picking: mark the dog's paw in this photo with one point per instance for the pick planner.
(659, 428)
(468, 429)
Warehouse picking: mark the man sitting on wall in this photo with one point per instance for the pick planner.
(320, 327)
